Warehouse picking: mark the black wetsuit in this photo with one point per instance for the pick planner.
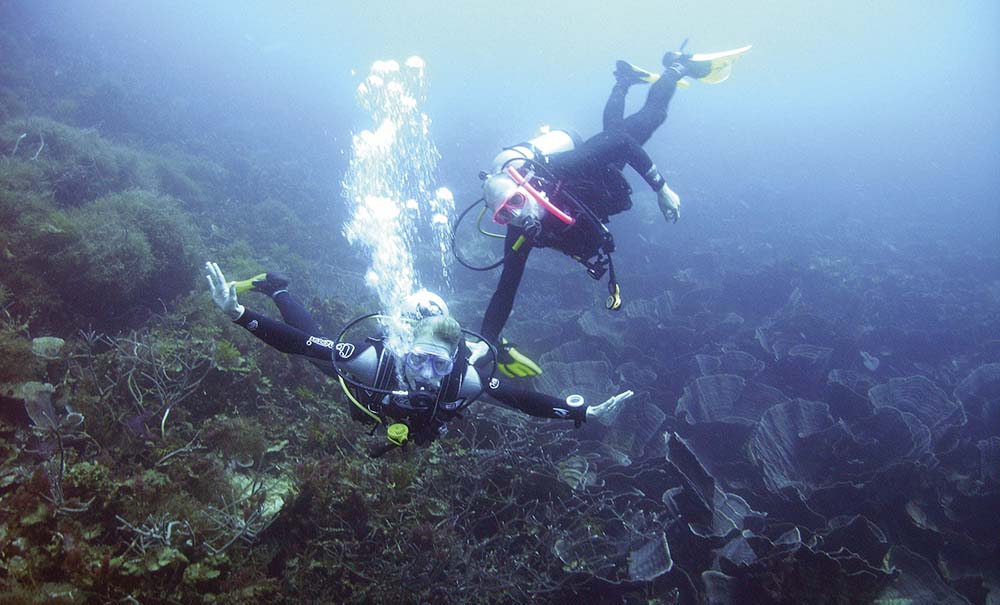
(296, 336)
(592, 174)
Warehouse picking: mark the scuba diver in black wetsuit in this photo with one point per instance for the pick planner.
(556, 192)
(415, 391)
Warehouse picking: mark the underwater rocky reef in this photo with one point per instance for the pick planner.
(804, 427)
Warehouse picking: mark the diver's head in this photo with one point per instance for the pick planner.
(432, 355)
(510, 203)
(421, 304)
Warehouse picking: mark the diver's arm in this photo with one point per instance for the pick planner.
(667, 200)
(533, 403)
(281, 336)
(614, 147)
(284, 337)
(293, 313)
(538, 404)
(636, 157)
(502, 301)
(618, 147)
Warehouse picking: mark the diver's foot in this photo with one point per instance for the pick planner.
(672, 57)
(272, 284)
(265, 283)
(627, 74)
(683, 65)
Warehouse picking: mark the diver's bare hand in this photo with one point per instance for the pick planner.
(669, 202)
(607, 412)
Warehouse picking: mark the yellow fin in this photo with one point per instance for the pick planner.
(247, 284)
(722, 63)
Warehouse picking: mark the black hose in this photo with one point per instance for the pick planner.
(454, 246)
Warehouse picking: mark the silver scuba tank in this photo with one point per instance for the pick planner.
(553, 141)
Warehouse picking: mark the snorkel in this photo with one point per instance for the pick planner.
(505, 181)
(541, 198)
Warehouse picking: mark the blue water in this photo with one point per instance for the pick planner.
(848, 109)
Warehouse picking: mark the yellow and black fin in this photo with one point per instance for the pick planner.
(513, 363)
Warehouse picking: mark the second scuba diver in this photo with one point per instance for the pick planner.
(416, 391)
(556, 192)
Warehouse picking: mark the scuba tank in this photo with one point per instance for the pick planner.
(553, 141)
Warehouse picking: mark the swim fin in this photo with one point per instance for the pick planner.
(247, 284)
(265, 283)
(629, 74)
(513, 363)
(713, 68)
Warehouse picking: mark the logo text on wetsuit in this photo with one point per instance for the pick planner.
(344, 349)
(494, 383)
(323, 342)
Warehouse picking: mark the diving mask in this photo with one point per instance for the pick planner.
(511, 203)
(424, 362)
(511, 208)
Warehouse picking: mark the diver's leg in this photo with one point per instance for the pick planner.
(614, 109)
(642, 124)
(626, 75)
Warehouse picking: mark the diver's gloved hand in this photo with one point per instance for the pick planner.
(513, 363)
(223, 294)
(607, 412)
(669, 202)
(478, 350)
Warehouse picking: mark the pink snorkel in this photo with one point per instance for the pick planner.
(541, 199)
